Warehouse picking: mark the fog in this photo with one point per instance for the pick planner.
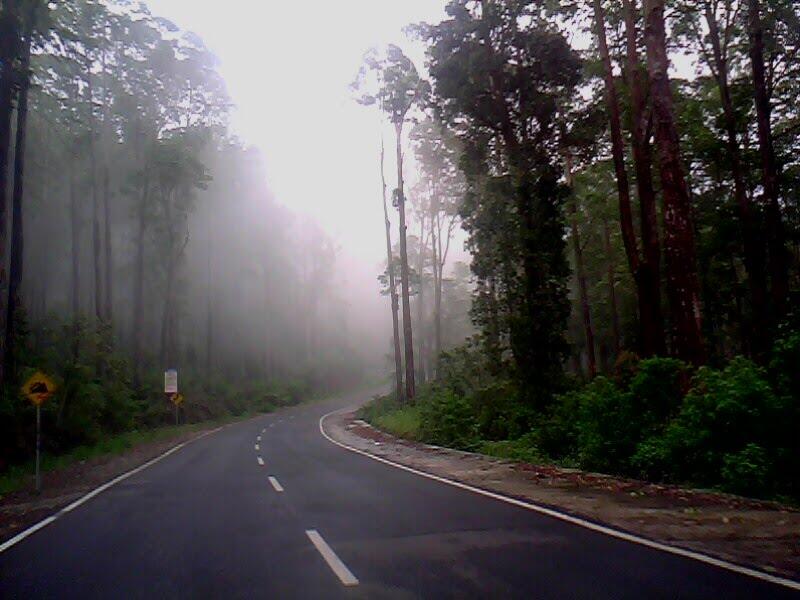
(288, 70)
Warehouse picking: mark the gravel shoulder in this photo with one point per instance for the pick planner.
(761, 535)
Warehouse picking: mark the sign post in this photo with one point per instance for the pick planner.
(171, 389)
(37, 389)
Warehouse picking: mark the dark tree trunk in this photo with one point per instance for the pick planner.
(421, 303)
(96, 245)
(407, 334)
(612, 291)
(398, 360)
(644, 272)
(580, 274)
(17, 231)
(778, 263)
(138, 283)
(76, 261)
(683, 286)
(9, 51)
(648, 276)
(753, 249)
(437, 294)
(109, 264)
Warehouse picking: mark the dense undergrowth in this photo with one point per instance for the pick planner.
(97, 401)
(733, 428)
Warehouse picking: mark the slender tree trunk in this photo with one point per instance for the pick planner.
(437, 294)
(76, 261)
(17, 231)
(398, 360)
(109, 263)
(407, 334)
(612, 291)
(756, 333)
(648, 276)
(580, 273)
(138, 283)
(778, 263)
(421, 301)
(644, 274)
(683, 286)
(9, 50)
(96, 245)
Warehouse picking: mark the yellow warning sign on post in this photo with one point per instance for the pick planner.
(177, 399)
(38, 388)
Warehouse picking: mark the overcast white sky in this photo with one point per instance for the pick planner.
(288, 66)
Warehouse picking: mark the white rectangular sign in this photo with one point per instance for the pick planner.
(171, 381)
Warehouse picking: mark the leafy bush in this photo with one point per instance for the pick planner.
(448, 419)
(722, 415)
(747, 471)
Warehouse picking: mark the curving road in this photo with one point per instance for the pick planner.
(317, 521)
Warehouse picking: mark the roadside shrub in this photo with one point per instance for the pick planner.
(448, 419)
(747, 471)
(607, 428)
(499, 413)
(722, 413)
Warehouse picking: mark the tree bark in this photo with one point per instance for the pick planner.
(580, 274)
(96, 250)
(612, 291)
(398, 360)
(683, 287)
(421, 301)
(644, 272)
(778, 263)
(109, 265)
(138, 282)
(753, 253)
(17, 240)
(407, 333)
(9, 51)
(648, 276)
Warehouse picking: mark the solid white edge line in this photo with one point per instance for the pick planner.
(275, 484)
(628, 537)
(85, 498)
(260, 460)
(334, 562)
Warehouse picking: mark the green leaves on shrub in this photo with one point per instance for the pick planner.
(448, 419)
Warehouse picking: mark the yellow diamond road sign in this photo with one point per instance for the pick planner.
(177, 399)
(38, 388)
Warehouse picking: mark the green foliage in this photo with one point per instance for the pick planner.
(728, 428)
(448, 419)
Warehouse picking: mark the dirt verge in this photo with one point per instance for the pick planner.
(761, 535)
(23, 508)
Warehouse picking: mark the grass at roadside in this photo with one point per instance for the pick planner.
(405, 422)
(18, 476)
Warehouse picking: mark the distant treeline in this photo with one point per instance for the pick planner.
(143, 235)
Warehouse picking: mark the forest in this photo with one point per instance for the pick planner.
(626, 175)
(591, 217)
(140, 234)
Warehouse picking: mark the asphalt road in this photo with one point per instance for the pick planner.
(208, 522)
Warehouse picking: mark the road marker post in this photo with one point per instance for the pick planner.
(171, 391)
(38, 388)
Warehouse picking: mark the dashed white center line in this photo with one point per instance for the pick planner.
(258, 439)
(264, 430)
(260, 460)
(272, 424)
(334, 562)
(258, 447)
(275, 484)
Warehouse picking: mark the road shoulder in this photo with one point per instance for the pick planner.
(759, 535)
